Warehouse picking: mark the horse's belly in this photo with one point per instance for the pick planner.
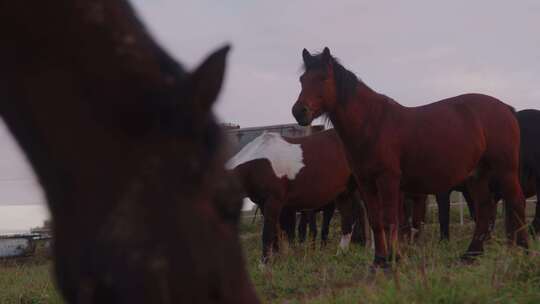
(313, 200)
(437, 177)
(432, 166)
(313, 195)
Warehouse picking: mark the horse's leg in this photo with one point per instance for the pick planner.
(344, 207)
(272, 210)
(515, 210)
(359, 219)
(405, 214)
(287, 221)
(302, 226)
(312, 218)
(470, 203)
(480, 192)
(536, 222)
(383, 205)
(328, 213)
(418, 215)
(443, 203)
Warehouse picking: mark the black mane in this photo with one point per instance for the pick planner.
(346, 81)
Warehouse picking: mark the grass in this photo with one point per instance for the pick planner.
(28, 280)
(429, 272)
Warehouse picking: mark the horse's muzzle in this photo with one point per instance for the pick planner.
(302, 114)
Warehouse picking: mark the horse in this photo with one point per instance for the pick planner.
(301, 173)
(529, 123)
(123, 140)
(391, 148)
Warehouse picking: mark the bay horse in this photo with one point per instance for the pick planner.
(529, 123)
(301, 173)
(123, 140)
(391, 148)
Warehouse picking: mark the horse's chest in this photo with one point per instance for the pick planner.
(370, 161)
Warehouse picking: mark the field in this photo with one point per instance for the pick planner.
(429, 272)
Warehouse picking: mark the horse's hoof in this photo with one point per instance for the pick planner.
(374, 268)
(263, 262)
(341, 251)
(444, 239)
(534, 230)
(470, 257)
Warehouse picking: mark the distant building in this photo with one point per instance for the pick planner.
(239, 137)
(230, 126)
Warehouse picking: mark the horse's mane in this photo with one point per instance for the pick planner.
(346, 81)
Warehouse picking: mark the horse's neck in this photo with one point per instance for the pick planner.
(360, 118)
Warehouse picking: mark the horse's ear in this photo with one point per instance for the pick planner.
(326, 57)
(307, 57)
(207, 79)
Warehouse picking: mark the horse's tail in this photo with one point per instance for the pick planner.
(522, 171)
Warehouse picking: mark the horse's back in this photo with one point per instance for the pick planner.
(323, 152)
(326, 170)
(476, 113)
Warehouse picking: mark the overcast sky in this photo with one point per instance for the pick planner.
(413, 51)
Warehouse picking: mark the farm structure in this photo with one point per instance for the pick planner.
(239, 137)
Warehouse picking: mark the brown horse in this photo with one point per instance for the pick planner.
(295, 173)
(125, 145)
(392, 147)
(529, 124)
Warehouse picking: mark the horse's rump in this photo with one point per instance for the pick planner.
(461, 132)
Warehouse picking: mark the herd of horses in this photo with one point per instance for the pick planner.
(123, 140)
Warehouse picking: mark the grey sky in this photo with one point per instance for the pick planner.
(414, 51)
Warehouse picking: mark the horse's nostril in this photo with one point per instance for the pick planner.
(304, 110)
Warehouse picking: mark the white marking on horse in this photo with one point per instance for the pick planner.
(345, 241)
(285, 158)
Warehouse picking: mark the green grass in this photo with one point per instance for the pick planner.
(28, 280)
(429, 272)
